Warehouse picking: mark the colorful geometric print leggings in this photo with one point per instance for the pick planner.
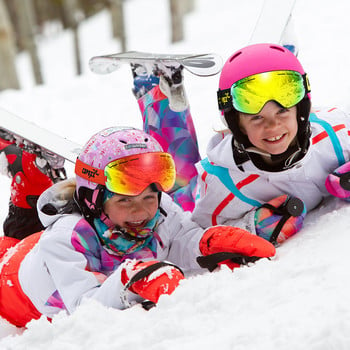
(176, 134)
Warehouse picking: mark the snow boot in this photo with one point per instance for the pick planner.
(33, 170)
(168, 77)
(144, 81)
(171, 85)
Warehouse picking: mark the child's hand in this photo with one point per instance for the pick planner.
(231, 246)
(338, 183)
(150, 279)
(280, 218)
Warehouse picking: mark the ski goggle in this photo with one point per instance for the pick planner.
(250, 94)
(131, 175)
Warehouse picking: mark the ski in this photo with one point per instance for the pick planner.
(273, 21)
(198, 64)
(24, 130)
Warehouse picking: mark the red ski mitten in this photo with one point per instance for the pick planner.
(238, 246)
(150, 279)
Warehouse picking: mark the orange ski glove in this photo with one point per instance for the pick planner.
(232, 246)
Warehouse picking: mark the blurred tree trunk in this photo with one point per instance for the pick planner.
(73, 15)
(8, 74)
(46, 11)
(26, 34)
(118, 24)
(176, 13)
(91, 7)
(188, 6)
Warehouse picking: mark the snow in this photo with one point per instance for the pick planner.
(298, 300)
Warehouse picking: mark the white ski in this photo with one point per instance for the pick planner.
(198, 64)
(272, 22)
(21, 128)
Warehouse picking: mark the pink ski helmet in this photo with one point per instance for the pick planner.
(255, 59)
(104, 147)
(258, 58)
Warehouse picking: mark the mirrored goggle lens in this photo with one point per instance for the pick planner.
(249, 95)
(133, 174)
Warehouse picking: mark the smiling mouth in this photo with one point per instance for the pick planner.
(136, 223)
(275, 138)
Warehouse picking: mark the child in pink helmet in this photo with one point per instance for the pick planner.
(273, 161)
(112, 234)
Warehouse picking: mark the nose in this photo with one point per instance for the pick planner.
(138, 208)
(271, 122)
(270, 114)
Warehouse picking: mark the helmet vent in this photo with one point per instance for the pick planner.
(277, 48)
(146, 139)
(122, 141)
(235, 56)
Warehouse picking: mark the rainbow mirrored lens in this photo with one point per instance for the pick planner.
(133, 174)
(250, 94)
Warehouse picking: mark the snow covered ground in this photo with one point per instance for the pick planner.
(299, 300)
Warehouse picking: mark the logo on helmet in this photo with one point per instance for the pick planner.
(135, 145)
(90, 173)
(224, 99)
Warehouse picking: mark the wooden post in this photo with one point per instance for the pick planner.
(176, 13)
(118, 24)
(188, 6)
(71, 13)
(26, 27)
(8, 74)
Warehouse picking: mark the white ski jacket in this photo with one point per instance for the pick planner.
(228, 195)
(69, 263)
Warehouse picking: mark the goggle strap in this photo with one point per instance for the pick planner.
(306, 83)
(89, 173)
(224, 99)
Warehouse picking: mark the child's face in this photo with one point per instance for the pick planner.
(132, 211)
(273, 129)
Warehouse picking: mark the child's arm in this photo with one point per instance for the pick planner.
(280, 218)
(272, 221)
(76, 269)
(275, 221)
(189, 243)
(338, 182)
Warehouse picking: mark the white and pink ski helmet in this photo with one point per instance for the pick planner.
(104, 147)
(111, 144)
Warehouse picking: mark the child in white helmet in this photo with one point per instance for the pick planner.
(113, 235)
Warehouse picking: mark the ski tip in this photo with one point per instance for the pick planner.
(204, 65)
(103, 65)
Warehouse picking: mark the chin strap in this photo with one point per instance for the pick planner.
(286, 159)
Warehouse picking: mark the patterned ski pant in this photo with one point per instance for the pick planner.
(176, 134)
